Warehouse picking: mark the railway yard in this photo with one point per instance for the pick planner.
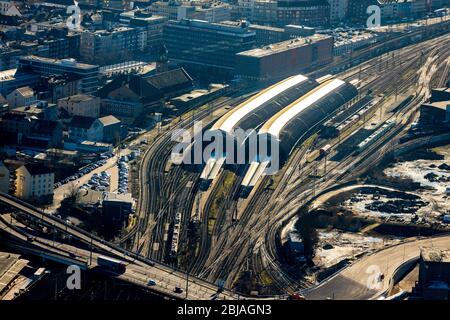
(222, 236)
(352, 174)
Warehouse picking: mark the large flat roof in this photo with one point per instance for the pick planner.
(283, 46)
(274, 125)
(229, 121)
(62, 62)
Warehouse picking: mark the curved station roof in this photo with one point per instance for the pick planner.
(251, 113)
(292, 123)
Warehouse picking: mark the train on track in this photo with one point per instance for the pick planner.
(175, 236)
(375, 136)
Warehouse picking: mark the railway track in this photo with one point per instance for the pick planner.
(371, 157)
(380, 85)
(221, 255)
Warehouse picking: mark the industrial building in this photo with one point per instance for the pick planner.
(288, 127)
(285, 58)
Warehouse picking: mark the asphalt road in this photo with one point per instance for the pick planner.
(356, 282)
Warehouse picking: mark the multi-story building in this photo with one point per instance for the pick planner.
(245, 9)
(265, 12)
(4, 178)
(266, 34)
(172, 10)
(87, 73)
(9, 58)
(357, 10)
(58, 48)
(16, 123)
(213, 12)
(116, 209)
(131, 98)
(150, 25)
(104, 129)
(34, 182)
(111, 129)
(115, 4)
(12, 79)
(81, 105)
(311, 13)
(109, 46)
(338, 9)
(44, 134)
(54, 87)
(434, 274)
(203, 45)
(85, 128)
(390, 9)
(9, 8)
(21, 97)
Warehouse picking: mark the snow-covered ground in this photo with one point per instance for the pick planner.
(418, 170)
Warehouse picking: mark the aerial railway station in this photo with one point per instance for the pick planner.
(293, 124)
(248, 116)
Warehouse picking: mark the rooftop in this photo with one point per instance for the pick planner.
(109, 120)
(37, 169)
(228, 122)
(10, 266)
(274, 125)
(112, 196)
(25, 91)
(444, 105)
(235, 27)
(61, 62)
(78, 98)
(81, 122)
(7, 74)
(262, 27)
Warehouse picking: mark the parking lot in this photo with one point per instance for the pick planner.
(104, 175)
